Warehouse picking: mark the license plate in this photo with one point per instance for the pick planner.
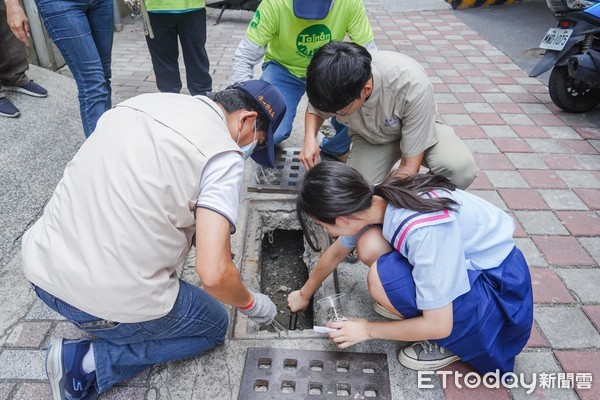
(556, 39)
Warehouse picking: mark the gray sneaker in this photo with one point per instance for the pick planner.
(426, 356)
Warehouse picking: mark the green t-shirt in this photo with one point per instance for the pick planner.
(174, 5)
(292, 41)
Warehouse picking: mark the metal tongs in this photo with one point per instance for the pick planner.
(280, 329)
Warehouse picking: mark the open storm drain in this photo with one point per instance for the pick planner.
(284, 178)
(303, 374)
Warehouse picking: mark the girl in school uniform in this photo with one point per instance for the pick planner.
(443, 264)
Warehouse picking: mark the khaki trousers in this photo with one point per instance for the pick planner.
(449, 157)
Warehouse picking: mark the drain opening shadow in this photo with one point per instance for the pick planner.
(283, 270)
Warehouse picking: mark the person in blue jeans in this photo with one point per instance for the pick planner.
(164, 171)
(287, 33)
(83, 32)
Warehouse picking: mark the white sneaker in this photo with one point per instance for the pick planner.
(426, 356)
(384, 312)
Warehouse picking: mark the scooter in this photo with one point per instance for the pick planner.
(573, 49)
(248, 5)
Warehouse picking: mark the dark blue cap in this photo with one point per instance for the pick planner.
(271, 102)
(312, 9)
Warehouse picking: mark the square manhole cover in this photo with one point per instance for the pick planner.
(284, 178)
(305, 374)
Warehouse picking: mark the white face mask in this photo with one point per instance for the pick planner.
(249, 148)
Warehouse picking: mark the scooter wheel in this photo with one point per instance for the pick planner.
(570, 94)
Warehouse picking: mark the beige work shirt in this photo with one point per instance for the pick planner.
(401, 106)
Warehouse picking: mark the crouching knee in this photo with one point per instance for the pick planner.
(371, 245)
(464, 174)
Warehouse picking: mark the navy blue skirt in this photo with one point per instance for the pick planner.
(492, 321)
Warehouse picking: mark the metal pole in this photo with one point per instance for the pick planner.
(37, 35)
(118, 24)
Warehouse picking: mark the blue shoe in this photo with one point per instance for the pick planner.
(32, 89)
(63, 367)
(7, 109)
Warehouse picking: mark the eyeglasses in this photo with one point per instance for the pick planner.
(344, 111)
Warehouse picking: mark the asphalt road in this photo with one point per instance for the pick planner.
(515, 29)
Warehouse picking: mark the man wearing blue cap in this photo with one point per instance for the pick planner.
(287, 33)
(159, 170)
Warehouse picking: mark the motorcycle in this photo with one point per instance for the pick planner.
(573, 50)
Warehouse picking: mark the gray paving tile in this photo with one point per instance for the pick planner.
(40, 311)
(566, 327)
(533, 108)
(526, 160)
(561, 132)
(496, 97)
(484, 146)
(530, 251)
(506, 179)
(445, 98)
(66, 329)
(28, 334)
(592, 246)
(512, 88)
(23, 364)
(562, 200)
(517, 119)
(130, 393)
(545, 146)
(5, 389)
(458, 120)
(31, 390)
(496, 131)
(541, 223)
(492, 196)
(13, 286)
(584, 282)
(537, 363)
(579, 179)
(479, 107)
(461, 88)
(589, 162)
(478, 80)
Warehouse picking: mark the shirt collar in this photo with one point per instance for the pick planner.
(377, 88)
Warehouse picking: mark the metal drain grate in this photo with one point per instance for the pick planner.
(304, 374)
(284, 178)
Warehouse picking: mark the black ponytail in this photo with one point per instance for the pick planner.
(332, 189)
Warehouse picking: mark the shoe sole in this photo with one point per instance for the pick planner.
(10, 115)
(416, 365)
(384, 312)
(54, 368)
(24, 91)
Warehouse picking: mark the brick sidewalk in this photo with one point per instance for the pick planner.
(537, 163)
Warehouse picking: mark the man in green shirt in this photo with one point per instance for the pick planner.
(287, 33)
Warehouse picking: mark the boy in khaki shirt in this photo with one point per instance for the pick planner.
(386, 101)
